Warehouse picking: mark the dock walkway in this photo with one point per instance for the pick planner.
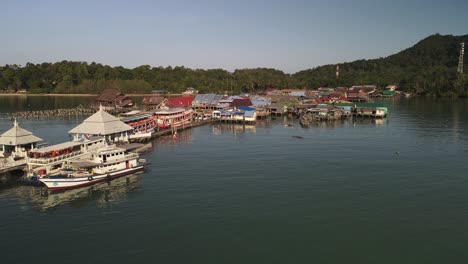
(7, 166)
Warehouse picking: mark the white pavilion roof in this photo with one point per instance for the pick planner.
(101, 123)
(17, 136)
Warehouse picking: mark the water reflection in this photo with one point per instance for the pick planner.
(103, 194)
(377, 122)
(236, 129)
(183, 136)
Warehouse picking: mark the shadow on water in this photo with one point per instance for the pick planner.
(10, 179)
(102, 194)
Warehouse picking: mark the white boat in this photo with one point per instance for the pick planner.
(105, 164)
(141, 136)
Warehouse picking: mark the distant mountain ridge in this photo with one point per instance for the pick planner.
(430, 66)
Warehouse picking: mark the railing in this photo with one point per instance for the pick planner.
(54, 159)
(4, 163)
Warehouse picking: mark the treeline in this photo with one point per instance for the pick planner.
(81, 77)
(429, 67)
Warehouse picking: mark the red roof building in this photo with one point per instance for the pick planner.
(181, 101)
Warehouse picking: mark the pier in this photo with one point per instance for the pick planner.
(171, 131)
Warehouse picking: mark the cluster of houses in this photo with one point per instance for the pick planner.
(249, 108)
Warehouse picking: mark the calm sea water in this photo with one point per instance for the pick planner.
(391, 191)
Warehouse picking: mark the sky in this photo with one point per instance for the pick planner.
(288, 35)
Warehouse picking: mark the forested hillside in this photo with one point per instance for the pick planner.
(429, 67)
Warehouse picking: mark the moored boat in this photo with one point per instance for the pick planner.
(173, 117)
(105, 164)
(143, 124)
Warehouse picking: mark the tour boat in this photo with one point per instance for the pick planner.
(107, 163)
(173, 117)
(143, 125)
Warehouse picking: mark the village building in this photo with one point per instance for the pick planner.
(325, 91)
(294, 92)
(234, 101)
(151, 102)
(103, 124)
(360, 93)
(206, 101)
(181, 101)
(311, 94)
(111, 99)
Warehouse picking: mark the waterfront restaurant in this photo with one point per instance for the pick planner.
(103, 124)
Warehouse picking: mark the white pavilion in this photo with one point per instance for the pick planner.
(103, 124)
(16, 142)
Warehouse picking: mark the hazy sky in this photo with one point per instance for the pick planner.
(286, 35)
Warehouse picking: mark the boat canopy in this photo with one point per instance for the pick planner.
(61, 146)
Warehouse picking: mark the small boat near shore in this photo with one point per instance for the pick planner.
(107, 163)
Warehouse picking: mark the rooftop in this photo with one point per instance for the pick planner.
(17, 136)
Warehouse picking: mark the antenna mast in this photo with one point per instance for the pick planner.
(460, 60)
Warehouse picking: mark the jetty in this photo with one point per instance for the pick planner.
(173, 130)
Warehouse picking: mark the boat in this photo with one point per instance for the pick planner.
(49, 160)
(143, 124)
(173, 117)
(107, 163)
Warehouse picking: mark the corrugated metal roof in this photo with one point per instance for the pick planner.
(135, 118)
(207, 99)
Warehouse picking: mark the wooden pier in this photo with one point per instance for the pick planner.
(172, 131)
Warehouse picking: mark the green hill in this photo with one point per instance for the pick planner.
(429, 67)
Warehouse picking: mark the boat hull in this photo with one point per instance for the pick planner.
(59, 184)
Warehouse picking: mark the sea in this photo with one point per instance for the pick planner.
(393, 190)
